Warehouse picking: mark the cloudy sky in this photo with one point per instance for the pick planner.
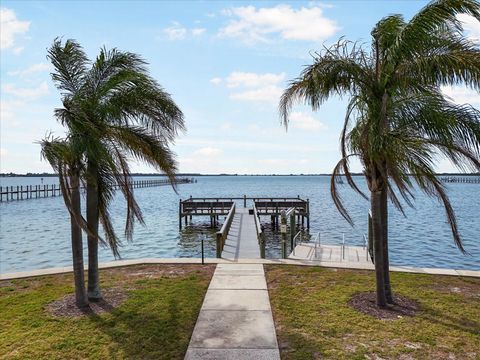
(225, 64)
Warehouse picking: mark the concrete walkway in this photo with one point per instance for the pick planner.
(242, 240)
(328, 264)
(235, 321)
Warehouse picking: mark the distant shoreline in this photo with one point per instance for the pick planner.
(6, 175)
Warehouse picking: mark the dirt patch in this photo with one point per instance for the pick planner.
(466, 289)
(66, 307)
(121, 280)
(160, 270)
(366, 303)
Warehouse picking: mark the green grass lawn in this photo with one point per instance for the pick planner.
(154, 322)
(314, 321)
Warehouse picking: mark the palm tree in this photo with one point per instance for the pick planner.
(397, 118)
(129, 116)
(66, 159)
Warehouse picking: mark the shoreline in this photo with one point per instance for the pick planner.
(149, 261)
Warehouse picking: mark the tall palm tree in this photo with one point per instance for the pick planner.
(129, 116)
(66, 159)
(397, 118)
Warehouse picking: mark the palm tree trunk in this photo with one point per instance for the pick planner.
(94, 292)
(77, 245)
(386, 263)
(376, 205)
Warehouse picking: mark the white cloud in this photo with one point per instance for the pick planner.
(252, 86)
(8, 109)
(18, 50)
(269, 93)
(10, 28)
(226, 126)
(175, 32)
(462, 95)
(198, 31)
(33, 69)
(205, 160)
(299, 120)
(252, 80)
(216, 81)
(271, 161)
(179, 32)
(208, 152)
(26, 93)
(471, 26)
(254, 25)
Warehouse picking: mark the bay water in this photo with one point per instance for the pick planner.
(35, 233)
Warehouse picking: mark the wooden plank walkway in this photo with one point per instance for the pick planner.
(333, 253)
(242, 242)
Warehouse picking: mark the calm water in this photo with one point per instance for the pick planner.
(34, 234)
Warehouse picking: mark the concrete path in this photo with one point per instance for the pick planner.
(242, 240)
(328, 264)
(235, 321)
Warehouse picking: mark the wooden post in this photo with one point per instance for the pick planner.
(292, 229)
(180, 214)
(262, 246)
(308, 214)
(284, 234)
(244, 201)
(219, 245)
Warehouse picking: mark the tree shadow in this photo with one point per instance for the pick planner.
(460, 323)
(144, 329)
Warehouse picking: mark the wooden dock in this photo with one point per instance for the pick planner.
(242, 240)
(10, 193)
(265, 206)
(331, 253)
(463, 179)
(241, 235)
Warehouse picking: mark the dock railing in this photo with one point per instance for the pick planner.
(223, 233)
(260, 235)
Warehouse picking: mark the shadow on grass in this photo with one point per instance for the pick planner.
(460, 323)
(154, 323)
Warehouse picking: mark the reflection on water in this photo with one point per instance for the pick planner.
(189, 244)
(36, 233)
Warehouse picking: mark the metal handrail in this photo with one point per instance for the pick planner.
(365, 245)
(223, 233)
(247, 198)
(295, 241)
(257, 222)
(259, 230)
(317, 244)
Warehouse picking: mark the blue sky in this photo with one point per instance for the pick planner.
(225, 64)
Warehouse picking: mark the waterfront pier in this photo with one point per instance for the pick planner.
(462, 179)
(241, 234)
(10, 193)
